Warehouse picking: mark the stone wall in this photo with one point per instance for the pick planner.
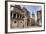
(17, 23)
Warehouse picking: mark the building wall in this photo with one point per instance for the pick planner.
(39, 18)
(20, 22)
(14, 24)
(17, 23)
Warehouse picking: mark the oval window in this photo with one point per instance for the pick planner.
(14, 21)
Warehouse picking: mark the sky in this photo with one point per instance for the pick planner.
(32, 8)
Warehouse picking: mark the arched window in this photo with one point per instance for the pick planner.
(14, 15)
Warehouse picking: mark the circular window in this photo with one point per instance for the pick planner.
(14, 21)
(21, 22)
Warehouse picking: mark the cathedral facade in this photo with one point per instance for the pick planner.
(20, 17)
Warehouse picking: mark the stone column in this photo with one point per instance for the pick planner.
(25, 22)
(12, 15)
(16, 15)
(35, 18)
(19, 16)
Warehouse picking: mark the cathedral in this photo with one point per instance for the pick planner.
(20, 17)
